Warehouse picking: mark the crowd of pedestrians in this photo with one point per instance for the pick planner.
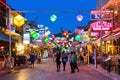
(62, 57)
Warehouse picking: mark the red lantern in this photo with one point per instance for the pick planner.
(65, 33)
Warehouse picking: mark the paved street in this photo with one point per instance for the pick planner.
(47, 71)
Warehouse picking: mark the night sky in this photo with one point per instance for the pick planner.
(65, 10)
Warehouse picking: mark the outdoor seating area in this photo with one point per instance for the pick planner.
(112, 64)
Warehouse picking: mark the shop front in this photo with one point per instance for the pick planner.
(112, 45)
(4, 48)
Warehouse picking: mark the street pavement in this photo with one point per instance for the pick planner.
(47, 71)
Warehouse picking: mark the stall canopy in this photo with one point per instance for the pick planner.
(4, 37)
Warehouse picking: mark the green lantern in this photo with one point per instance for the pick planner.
(53, 44)
(77, 37)
(53, 18)
(34, 34)
(45, 40)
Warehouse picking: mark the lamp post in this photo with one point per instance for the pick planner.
(9, 27)
(101, 33)
(18, 21)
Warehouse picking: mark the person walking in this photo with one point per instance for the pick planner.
(32, 59)
(53, 56)
(71, 62)
(24, 61)
(64, 60)
(39, 58)
(75, 61)
(58, 61)
(81, 59)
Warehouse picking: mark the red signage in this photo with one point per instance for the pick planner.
(97, 26)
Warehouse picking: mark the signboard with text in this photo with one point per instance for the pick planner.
(103, 14)
(98, 25)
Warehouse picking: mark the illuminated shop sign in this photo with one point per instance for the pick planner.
(104, 15)
(94, 34)
(97, 26)
(95, 16)
(26, 38)
(97, 33)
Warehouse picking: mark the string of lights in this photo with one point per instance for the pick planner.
(62, 11)
(55, 11)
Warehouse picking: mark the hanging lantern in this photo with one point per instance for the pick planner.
(77, 37)
(53, 36)
(53, 44)
(34, 34)
(47, 33)
(53, 18)
(79, 18)
(45, 39)
(65, 33)
(18, 20)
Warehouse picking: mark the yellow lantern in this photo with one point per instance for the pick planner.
(18, 20)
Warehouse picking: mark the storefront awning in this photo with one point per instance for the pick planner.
(4, 37)
(113, 36)
(98, 40)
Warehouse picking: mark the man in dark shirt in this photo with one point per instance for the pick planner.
(58, 62)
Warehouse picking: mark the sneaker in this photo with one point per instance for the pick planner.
(72, 71)
(58, 70)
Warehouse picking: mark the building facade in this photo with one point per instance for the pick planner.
(3, 14)
(100, 3)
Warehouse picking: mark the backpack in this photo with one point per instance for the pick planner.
(64, 59)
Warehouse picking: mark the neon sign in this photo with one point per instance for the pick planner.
(94, 34)
(97, 26)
